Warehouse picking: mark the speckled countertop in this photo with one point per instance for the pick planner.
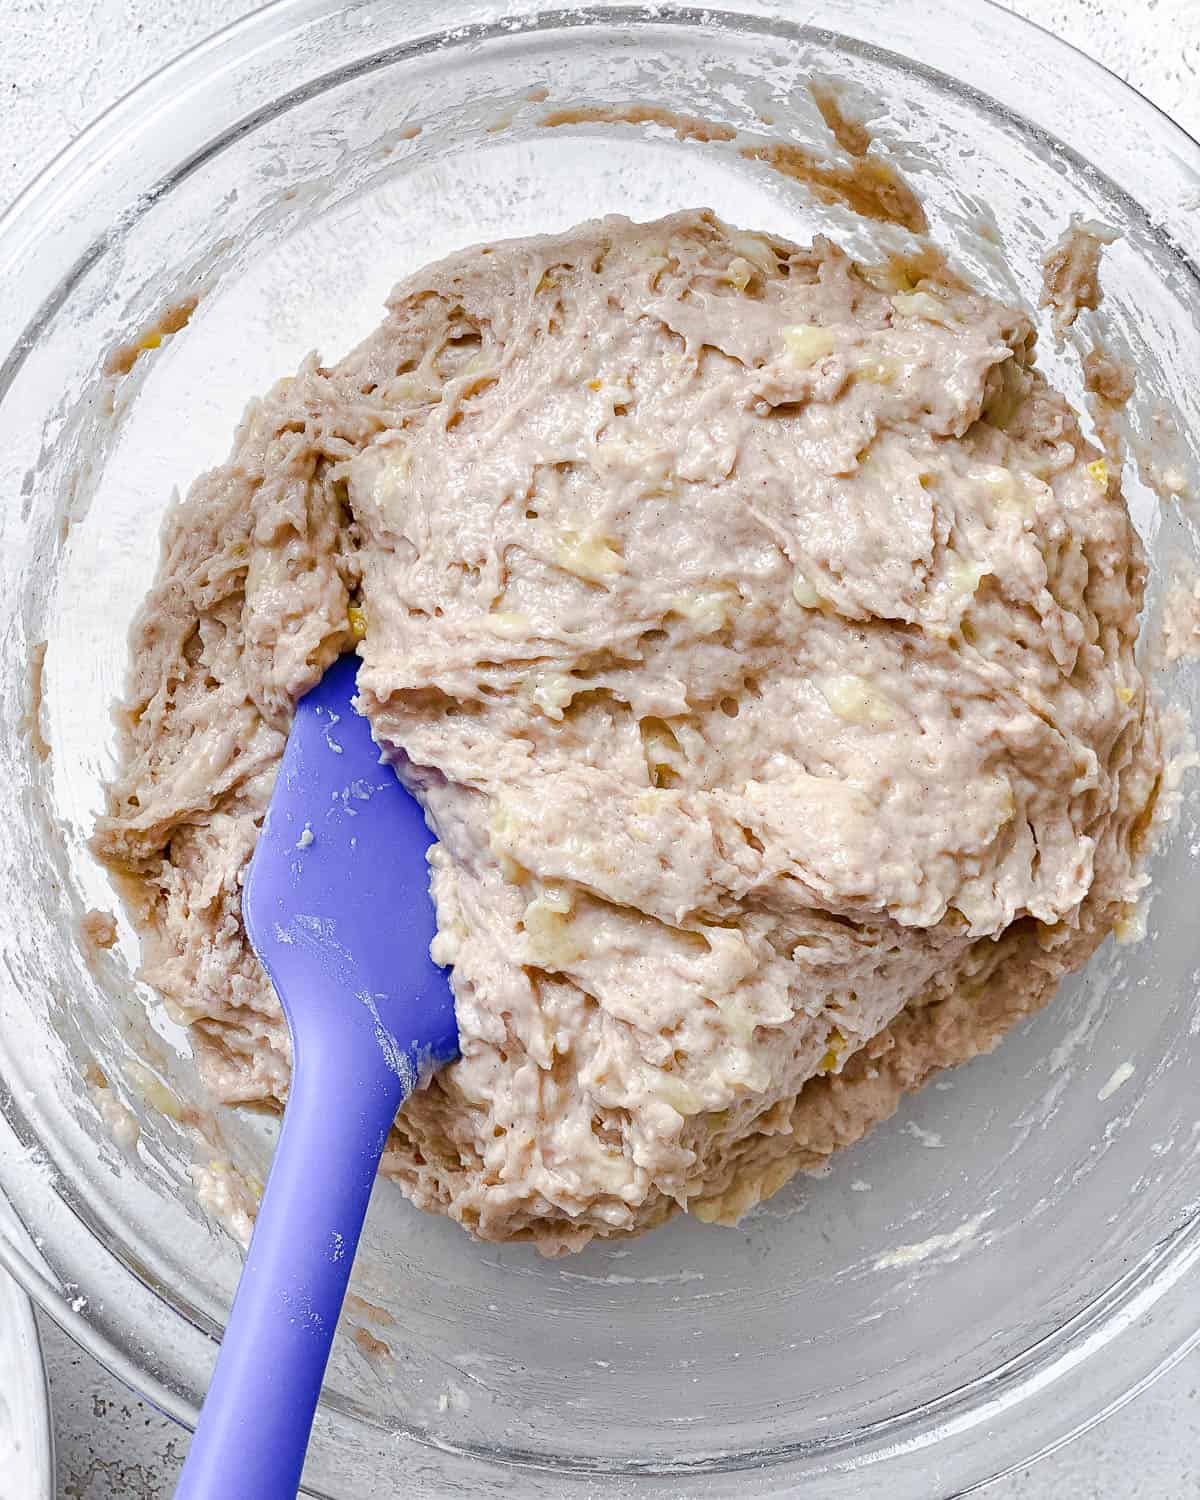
(60, 65)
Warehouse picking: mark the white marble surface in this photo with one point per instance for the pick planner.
(60, 64)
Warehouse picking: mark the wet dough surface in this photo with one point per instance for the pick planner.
(758, 631)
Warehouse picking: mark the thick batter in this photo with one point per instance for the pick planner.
(758, 631)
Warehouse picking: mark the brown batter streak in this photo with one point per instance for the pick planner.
(178, 315)
(375, 1349)
(371, 1310)
(686, 127)
(33, 716)
(851, 135)
(870, 187)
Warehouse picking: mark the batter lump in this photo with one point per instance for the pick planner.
(757, 628)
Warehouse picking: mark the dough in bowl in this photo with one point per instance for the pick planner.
(758, 630)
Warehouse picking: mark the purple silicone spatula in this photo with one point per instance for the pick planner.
(338, 910)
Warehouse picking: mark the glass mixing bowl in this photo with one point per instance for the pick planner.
(1007, 1259)
(26, 1433)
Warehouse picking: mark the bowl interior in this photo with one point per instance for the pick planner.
(963, 1248)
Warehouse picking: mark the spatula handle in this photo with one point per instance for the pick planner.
(253, 1431)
